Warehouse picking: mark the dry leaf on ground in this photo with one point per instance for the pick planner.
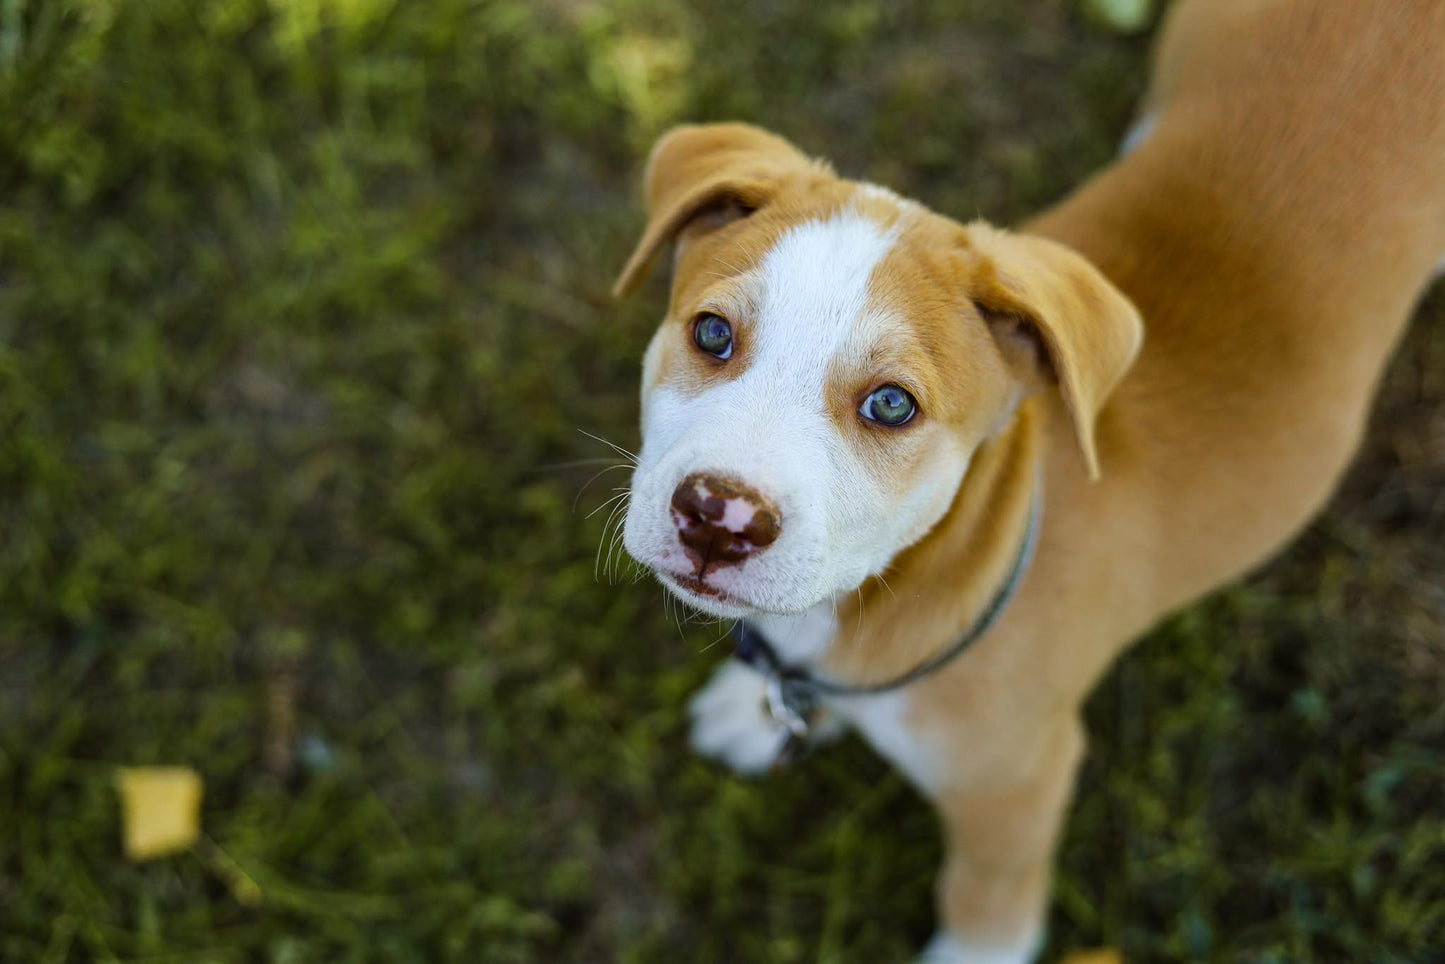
(1106, 955)
(160, 810)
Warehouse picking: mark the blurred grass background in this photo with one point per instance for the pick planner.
(302, 307)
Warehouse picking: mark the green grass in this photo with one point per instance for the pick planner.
(302, 308)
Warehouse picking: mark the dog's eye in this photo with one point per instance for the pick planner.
(889, 405)
(713, 335)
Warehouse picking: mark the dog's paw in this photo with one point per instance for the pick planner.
(731, 722)
(947, 949)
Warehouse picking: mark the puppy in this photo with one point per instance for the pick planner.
(942, 473)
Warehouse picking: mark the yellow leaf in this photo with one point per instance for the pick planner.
(1106, 955)
(160, 808)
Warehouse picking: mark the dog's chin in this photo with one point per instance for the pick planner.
(707, 598)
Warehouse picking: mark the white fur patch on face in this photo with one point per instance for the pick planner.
(815, 290)
(769, 428)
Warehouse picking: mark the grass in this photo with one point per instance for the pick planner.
(303, 313)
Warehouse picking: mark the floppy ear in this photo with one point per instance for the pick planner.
(1055, 313)
(707, 175)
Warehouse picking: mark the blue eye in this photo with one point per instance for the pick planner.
(889, 405)
(713, 335)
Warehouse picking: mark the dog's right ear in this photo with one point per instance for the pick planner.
(704, 176)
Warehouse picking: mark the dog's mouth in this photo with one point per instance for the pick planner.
(696, 586)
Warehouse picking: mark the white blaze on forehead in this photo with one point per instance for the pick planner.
(815, 292)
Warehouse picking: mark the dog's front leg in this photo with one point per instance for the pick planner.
(1001, 824)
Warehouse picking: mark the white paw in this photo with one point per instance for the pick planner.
(947, 949)
(731, 723)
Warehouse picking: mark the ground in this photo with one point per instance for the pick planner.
(304, 326)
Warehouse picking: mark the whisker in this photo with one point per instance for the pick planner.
(597, 557)
(574, 464)
(629, 455)
(616, 543)
(676, 619)
(607, 525)
(620, 495)
(610, 468)
(632, 571)
(727, 631)
(620, 507)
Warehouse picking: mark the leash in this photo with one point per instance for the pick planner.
(793, 693)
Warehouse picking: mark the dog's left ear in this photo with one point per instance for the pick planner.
(702, 176)
(1055, 315)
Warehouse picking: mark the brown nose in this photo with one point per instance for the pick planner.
(720, 521)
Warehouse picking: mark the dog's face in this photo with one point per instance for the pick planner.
(831, 358)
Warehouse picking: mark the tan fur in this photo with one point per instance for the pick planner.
(1274, 233)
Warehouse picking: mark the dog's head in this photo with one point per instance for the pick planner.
(831, 357)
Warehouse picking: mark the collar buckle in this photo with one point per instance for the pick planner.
(788, 705)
